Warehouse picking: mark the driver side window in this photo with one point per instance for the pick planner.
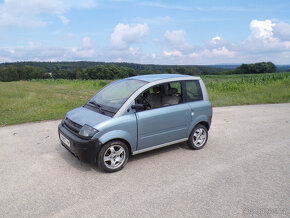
(151, 98)
(162, 95)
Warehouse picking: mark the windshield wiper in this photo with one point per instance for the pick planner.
(98, 106)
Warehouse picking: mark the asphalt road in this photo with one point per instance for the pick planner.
(244, 170)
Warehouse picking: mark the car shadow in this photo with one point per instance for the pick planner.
(159, 151)
(73, 161)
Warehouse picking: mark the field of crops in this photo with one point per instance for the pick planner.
(27, 101)
(248, 89)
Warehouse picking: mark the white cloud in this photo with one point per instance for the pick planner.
(26, 7)
(125, 35)
(87, 50)
(83, 53)
(25, 13)
(176, 38)
(128, 55)
(40, 52)
(63, 19)
(215, 40)
(282, 31)
(172, 53)
(7, 19)
(216, 52)
(133, 51)
(262, 29)
(223, 51)
(268, 41)
(87, 42)
(265, 37)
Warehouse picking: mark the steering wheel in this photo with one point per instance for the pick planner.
(145, 102)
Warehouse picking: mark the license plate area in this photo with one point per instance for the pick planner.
(64, 140)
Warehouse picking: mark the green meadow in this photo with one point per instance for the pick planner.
(36, 100)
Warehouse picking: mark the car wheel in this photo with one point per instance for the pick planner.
(198, 137)
(113, 156)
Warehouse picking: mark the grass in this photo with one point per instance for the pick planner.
(248, 89)
(28, 101)
(36, 100)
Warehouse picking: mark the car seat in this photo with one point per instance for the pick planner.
(171, 98)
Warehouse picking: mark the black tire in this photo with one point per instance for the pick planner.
(196, 143)
(113, 156)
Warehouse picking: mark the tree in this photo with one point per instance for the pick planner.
(169, 70)
(181, 70)
(79, 73)
(194, 71)
(261, 67)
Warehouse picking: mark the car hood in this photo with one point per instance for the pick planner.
(84, 116)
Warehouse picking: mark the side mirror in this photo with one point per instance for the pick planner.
(138, 107)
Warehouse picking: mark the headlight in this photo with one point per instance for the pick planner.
(62, 121)
(87, 131)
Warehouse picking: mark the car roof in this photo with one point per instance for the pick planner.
(155, 77)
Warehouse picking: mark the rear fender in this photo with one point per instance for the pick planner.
(199, 119)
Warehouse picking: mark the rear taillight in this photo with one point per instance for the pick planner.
(211, 109)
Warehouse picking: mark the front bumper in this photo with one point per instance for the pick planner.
(85, 150)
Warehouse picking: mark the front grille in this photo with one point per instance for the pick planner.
(72, 126)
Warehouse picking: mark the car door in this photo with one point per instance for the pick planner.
(162, 125)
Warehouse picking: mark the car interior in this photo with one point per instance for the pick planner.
(161, 95)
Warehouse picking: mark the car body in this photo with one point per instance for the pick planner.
(135, 115)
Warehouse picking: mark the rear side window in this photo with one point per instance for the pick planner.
(192, 91)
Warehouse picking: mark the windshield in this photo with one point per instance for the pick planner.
(115, 94)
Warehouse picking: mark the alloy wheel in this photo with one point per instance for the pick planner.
(199, 137)
(114, 156)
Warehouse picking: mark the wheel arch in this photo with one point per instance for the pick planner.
(118, 135)
(200, 120)
(122, 140)
(206, 124)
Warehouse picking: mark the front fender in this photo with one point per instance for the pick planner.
(118, 134)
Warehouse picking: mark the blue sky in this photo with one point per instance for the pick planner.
(151, 32)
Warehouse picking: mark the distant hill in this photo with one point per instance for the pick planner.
(71, 65)
(55, 66)
(115, 70)
(283, 68)
(225, 66)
